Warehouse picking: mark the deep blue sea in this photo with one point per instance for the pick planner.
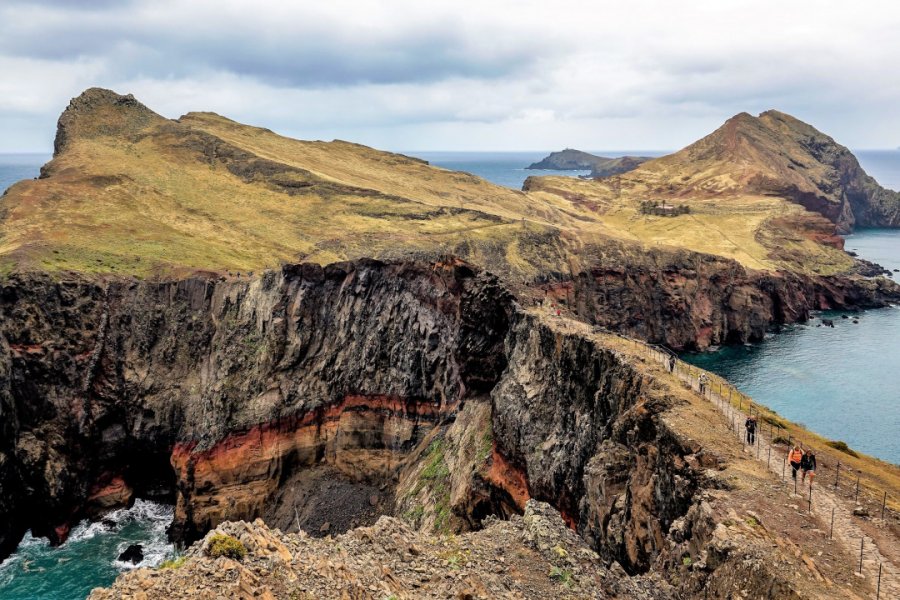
(508, 168)
(840, 382)
(15, 167)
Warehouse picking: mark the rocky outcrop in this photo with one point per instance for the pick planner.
(534, 556)
(581, 423)
(576, 160)
(111, 114)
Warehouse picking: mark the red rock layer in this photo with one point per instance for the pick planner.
(364, 437)
(505, 476)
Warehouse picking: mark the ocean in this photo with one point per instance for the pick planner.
(508, 168)
(89, 558)
(839, 382)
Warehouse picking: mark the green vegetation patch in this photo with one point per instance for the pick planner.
(842, 447)
(436, 477)
(174, 563)
(563, 576)
(225, 545)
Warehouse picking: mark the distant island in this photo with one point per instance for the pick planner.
(577, 160)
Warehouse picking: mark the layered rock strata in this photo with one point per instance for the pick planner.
(215, 393)
(200, 387)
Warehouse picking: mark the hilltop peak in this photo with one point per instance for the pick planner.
(99, 111)
(776, 154)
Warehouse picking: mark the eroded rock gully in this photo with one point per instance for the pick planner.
(422, 386)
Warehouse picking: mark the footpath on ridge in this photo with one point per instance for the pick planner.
(857, 522)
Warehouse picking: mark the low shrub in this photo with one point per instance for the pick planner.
(173, 563)
(225, 545)
(842, 447)
(773, 420)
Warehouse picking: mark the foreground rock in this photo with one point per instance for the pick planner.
(534, 556)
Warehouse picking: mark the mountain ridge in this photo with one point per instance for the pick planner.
(777, 154)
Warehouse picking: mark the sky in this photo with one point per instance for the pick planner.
(418, 75)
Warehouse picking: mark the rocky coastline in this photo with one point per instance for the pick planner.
(212, 393)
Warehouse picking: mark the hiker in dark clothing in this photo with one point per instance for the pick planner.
(750, 426)
(672, 364)
(808, 465)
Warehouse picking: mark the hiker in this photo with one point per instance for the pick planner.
(671, 363)
(704, 379)
(808, 465)
(795, 458)
(750, 426)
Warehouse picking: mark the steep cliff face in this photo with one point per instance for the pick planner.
(215, 394)
(233, 383)
(583, 426)
(687, 300)
(423, 386)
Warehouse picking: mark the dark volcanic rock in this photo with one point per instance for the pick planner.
(687, 300)
(242, 397)
(599, 166)
(133, 554)
(105, 385)
(574, 417)
(568, 160)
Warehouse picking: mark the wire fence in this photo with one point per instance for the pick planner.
(771, 444)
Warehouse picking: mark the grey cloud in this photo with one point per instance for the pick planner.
(72, 5)
(301, 54)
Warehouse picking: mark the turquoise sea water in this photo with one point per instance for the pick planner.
(89, 558)
(840, 382)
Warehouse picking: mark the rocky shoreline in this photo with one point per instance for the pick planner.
(210, 393)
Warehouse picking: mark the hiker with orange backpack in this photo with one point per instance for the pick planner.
(795, 457)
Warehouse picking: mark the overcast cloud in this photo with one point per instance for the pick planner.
(435, 75)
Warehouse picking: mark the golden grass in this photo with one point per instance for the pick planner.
(735, 226)
(137, 197)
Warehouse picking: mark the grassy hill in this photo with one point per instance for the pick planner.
(129, 191)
